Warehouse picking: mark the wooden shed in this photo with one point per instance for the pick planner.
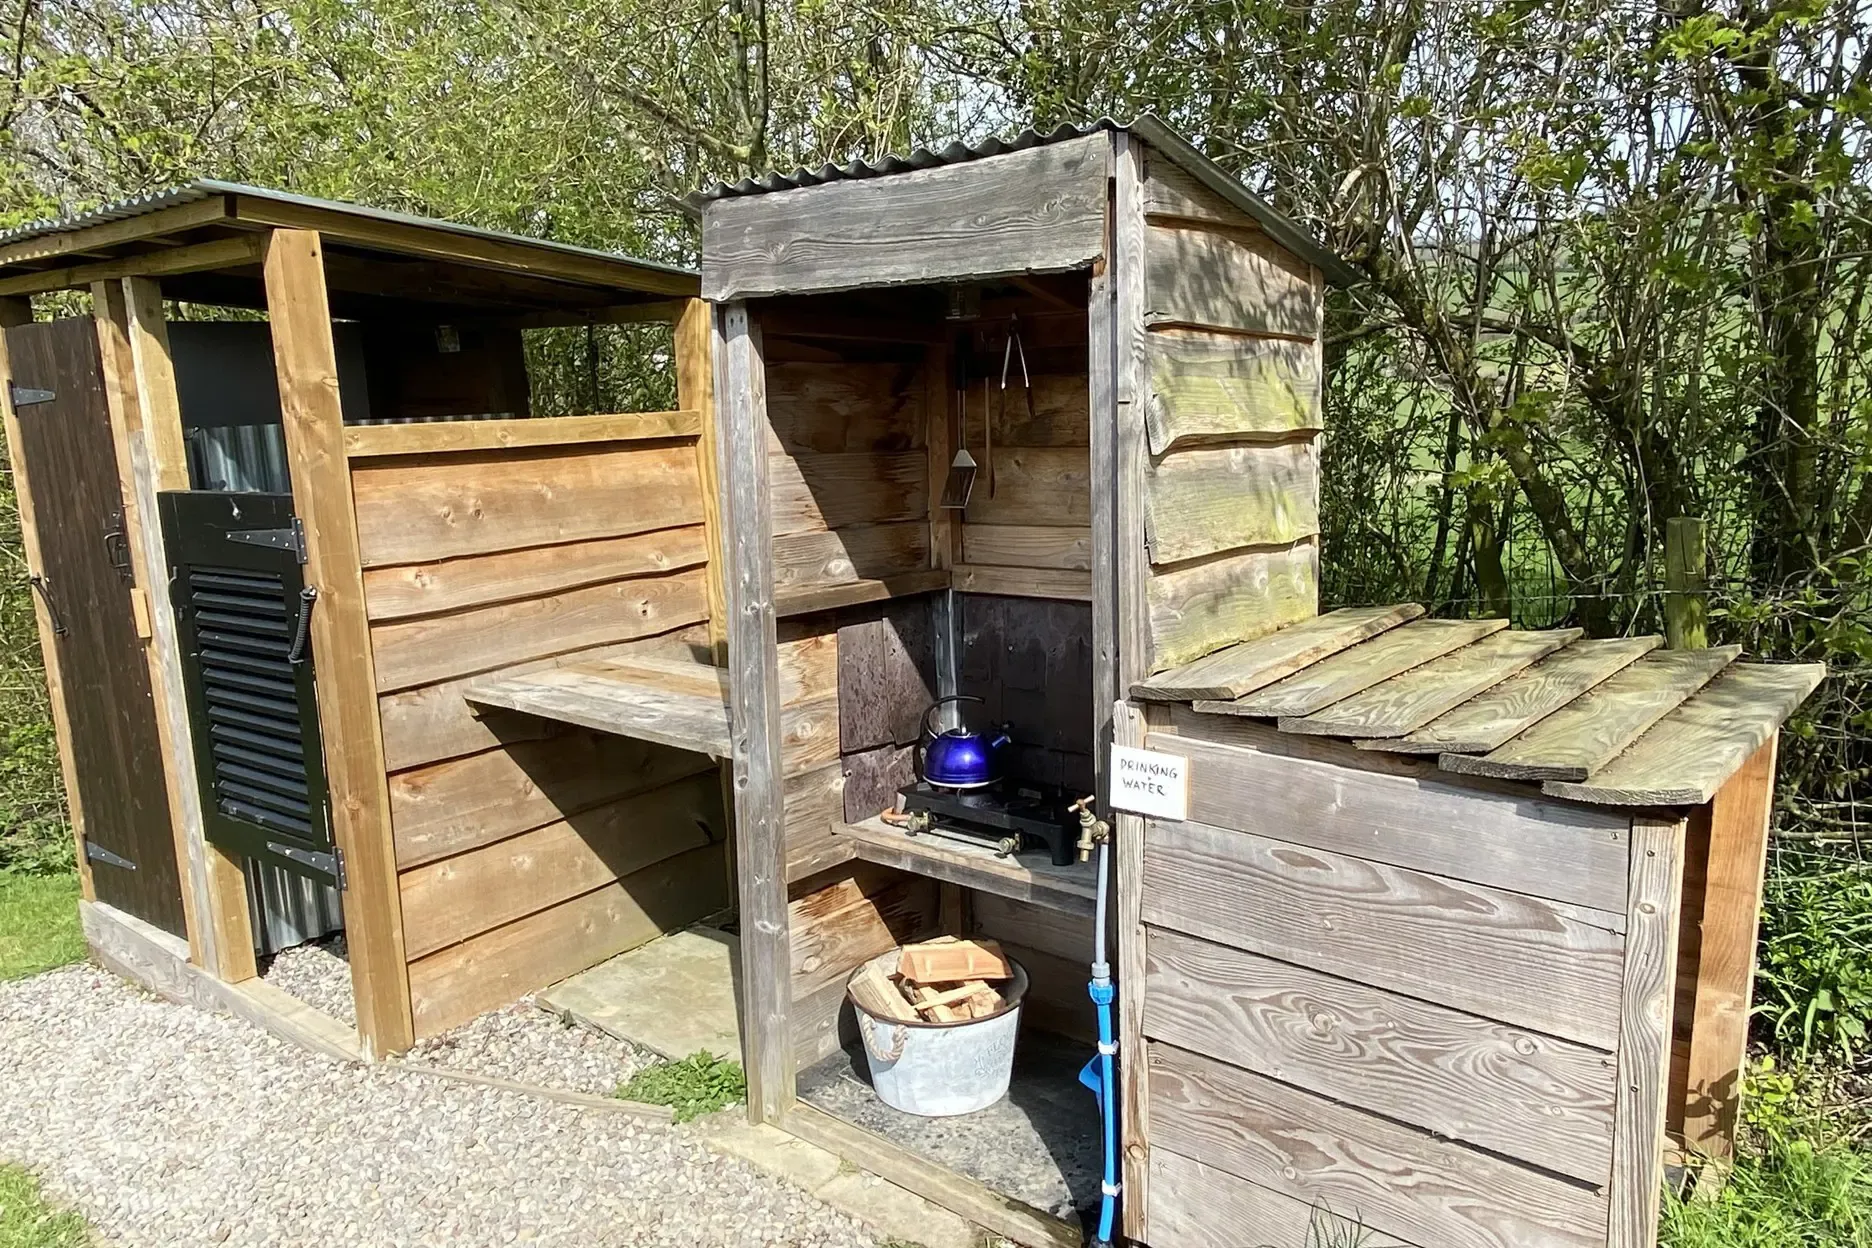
(1454, 920)
(269, 550)
(1448, 934)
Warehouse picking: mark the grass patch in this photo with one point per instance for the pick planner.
(38, 924)
(26, 1221)
(1800, 1180)
(699, 1084)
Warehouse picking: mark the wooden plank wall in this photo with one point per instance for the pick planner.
(525, 854)
(848, 469)
(1028, 527)
(1415, 1006)
(1231, 326)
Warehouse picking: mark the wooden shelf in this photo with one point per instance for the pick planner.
(672, 702)
(1029, 877)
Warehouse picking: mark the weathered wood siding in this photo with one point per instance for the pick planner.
(1028, 527)
(848, 468)
(525, 852)
(1231, 409)
(1037, 211)
(1429, 1008)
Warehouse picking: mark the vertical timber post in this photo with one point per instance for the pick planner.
(313, 422)
(1130, 571)
(1654, 903)
(146, 421)
(16, 310)
(1740, 816)
(1686, 606)
(754, 713)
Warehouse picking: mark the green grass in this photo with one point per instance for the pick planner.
(699, 1084)
(26, 1221)
(38, 925)
(1802, 1176)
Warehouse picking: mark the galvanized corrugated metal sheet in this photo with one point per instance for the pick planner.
(1283, 229)
(193, 192)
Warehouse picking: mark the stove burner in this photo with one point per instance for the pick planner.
(1007, 816)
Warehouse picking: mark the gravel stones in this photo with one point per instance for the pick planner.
(318, 974)
(524, 1043)
(166, 1125)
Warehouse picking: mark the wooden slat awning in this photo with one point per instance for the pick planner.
(1611, 722)
(672, 702)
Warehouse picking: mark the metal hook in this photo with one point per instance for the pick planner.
(303, 633)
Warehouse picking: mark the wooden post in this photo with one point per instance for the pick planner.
(1686, 607)
(1653, 904)
(1129, 570)
(16, 310)
(1740, 816)
(313, 422)
(695, 390)
(754, 710)
(146, 425)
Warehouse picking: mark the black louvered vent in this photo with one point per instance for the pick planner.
(244, 624)
(238, 588)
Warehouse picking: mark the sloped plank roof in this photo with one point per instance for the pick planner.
(1607, 722)
(1280, 227)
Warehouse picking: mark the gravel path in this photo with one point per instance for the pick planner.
(520, 1041)
(165, 1125)
(524, 1043)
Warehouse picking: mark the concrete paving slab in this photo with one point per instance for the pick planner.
(674, 996)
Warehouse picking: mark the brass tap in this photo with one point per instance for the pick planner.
(1093, 831)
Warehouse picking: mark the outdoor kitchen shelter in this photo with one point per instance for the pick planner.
(1452, 939)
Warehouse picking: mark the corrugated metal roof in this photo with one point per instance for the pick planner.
(206, 188)
(1281, 228)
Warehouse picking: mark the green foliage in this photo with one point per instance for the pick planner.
(1799, 1181)
(699, 1084)
(34, 834)
(38, 923)
(27, 1221)
(1814, 984)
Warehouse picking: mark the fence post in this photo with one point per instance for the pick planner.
(1686, 608)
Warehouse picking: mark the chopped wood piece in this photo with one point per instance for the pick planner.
(954, 961)
(876, 994)
(928, 997)
(984, 1003)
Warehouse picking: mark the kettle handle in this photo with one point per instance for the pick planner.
(930, 729)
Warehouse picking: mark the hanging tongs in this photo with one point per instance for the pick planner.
(1014, 346)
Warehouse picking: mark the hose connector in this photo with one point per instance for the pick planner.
(1102, 992)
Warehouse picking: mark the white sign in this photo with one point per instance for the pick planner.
(1146, 782)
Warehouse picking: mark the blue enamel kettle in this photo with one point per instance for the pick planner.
(960, 758)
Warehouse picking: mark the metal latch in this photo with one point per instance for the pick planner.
(95, 852)
(290, 538)
(26, 396)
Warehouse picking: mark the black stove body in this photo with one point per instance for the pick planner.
(1007, 816)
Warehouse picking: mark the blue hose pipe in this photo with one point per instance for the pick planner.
(1100, 1073)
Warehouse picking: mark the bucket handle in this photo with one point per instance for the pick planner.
(869, 1029)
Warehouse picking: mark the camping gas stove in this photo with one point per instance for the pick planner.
(1006, 816)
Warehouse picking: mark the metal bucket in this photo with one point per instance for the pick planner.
(938, 1070)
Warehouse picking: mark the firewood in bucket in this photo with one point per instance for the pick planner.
(954, 962)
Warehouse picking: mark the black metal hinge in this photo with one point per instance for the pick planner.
(331, 864)
(27, 396)
(292, 538)
(95, 852)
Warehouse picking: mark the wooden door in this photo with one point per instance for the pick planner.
(87, 586)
